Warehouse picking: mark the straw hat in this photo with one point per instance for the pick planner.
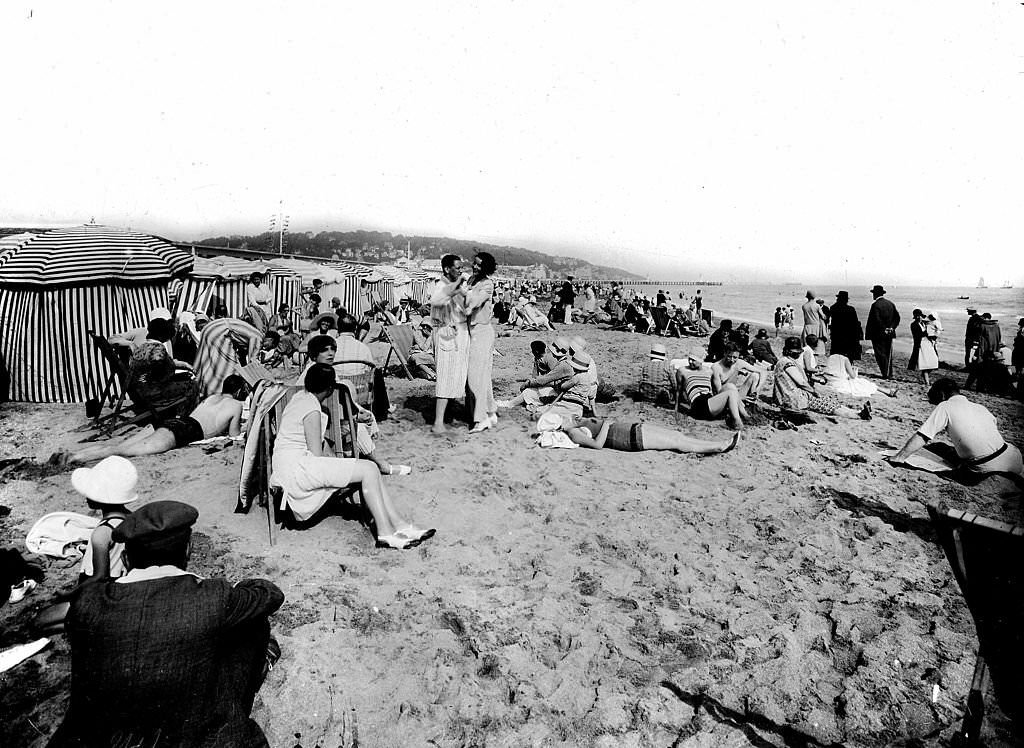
(559, 347)
(580, 361)
(577, 344)
(658, 352)
(111, 481)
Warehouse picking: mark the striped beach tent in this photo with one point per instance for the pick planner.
(58, 285)
(227, 277)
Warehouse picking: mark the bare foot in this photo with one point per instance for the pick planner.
(731, 444)
(439, 430)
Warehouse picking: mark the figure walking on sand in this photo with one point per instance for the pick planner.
(883, 319)
(451, 337)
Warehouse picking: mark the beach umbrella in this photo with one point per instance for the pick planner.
(91, 254)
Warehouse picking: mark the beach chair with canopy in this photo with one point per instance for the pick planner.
(400, 338)
(987, 558)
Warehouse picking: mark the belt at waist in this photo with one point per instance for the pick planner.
(988, 458)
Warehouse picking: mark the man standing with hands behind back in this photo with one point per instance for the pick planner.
(883, 319)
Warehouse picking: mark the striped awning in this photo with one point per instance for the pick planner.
(90, 254)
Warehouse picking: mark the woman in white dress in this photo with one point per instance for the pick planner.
(309, 478)
(451, 337)
(924, 357)
(479, 292)
(841, 376)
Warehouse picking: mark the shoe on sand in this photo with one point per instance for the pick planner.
(504, 404)
(415, 534)
(400, 470)
(396, 542)
(865, 412)
(22, 588)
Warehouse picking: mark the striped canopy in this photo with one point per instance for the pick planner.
(91, 254)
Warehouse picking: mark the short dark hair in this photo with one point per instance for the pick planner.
(320, 377)
(160, 329)
(255, 276)
(233, 384)
(448, 260)
(942, 390)
(538, 347)
(725, 324)
(730, 347)
(812, 339)
(273, 335)
(347, 323)
(487, 263)
(318, 344)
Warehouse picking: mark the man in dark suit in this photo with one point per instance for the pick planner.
(883, 319)
(161, 657)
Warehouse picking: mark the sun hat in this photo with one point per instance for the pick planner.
(159, 312)
(697, 353)
(971, 310)
(877, 289)
(843, 295)
(792, 343)
(111, 481)
(159, 524)
(559, 347)
(762, 333)
(580, 361)
(658, 351)
(533, 299)
(577, 344)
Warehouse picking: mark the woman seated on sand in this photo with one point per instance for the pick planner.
(630, 435)
(309, 478)
(793, 391)
(841, 376)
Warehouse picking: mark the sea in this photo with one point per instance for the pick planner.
(755, 303)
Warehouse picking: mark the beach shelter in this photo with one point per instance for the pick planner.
(57, 285)
(227, 277)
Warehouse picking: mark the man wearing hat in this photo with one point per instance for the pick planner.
(536, 389)
(883, 319)
(161, 656)
(845, 328)
(972, 335)
(657, 378)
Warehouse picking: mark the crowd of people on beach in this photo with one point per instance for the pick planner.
(202, 647)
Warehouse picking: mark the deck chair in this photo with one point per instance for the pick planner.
(987, 558)
(120, 378)
(660, 317)
(361, 379)
(400, 338)
(339, 438)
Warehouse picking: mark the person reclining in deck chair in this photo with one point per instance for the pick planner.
(421, 352)
(217, 415)
(972, 430)
(156, 379)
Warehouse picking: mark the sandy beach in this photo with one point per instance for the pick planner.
(789, 592)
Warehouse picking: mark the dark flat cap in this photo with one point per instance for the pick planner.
(160, 523)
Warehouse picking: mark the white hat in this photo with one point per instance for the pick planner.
(549, 422)
(111, 481)
(160, 312)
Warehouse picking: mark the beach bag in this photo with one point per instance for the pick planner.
(60, 534)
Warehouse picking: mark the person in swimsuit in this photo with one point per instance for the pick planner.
(217, 415)
(635, 436)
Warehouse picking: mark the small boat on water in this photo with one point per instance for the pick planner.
(963, 297)
(1007, 284)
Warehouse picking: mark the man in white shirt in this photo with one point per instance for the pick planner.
(972, 430)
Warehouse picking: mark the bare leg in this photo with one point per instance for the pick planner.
(156, 443)
(439, 408)
(376, 498)
(727, 400)
(657, 437)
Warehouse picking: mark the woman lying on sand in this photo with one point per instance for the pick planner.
(630, 436)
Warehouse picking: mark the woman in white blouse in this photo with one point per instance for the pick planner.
(309, 478)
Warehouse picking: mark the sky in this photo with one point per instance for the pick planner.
(799, 141)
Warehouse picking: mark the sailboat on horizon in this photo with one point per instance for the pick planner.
(1007, 284)
(981, 283)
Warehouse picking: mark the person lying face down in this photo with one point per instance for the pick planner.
(630, 435)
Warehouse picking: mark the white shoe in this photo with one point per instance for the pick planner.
(481, 426)
(503, 404)
(22, 588)
(494, 419)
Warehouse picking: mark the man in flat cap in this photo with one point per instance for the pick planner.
(161, 657)
(883, 319)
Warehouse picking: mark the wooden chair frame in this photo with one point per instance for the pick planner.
(400, 338)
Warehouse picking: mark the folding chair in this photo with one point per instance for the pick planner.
(359, 373)
(987, 558)
(120, 378)
(400, 338)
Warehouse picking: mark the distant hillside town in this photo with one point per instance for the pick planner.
(424, 252)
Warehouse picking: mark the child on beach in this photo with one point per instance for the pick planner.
(108, 487)
(270, 355)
